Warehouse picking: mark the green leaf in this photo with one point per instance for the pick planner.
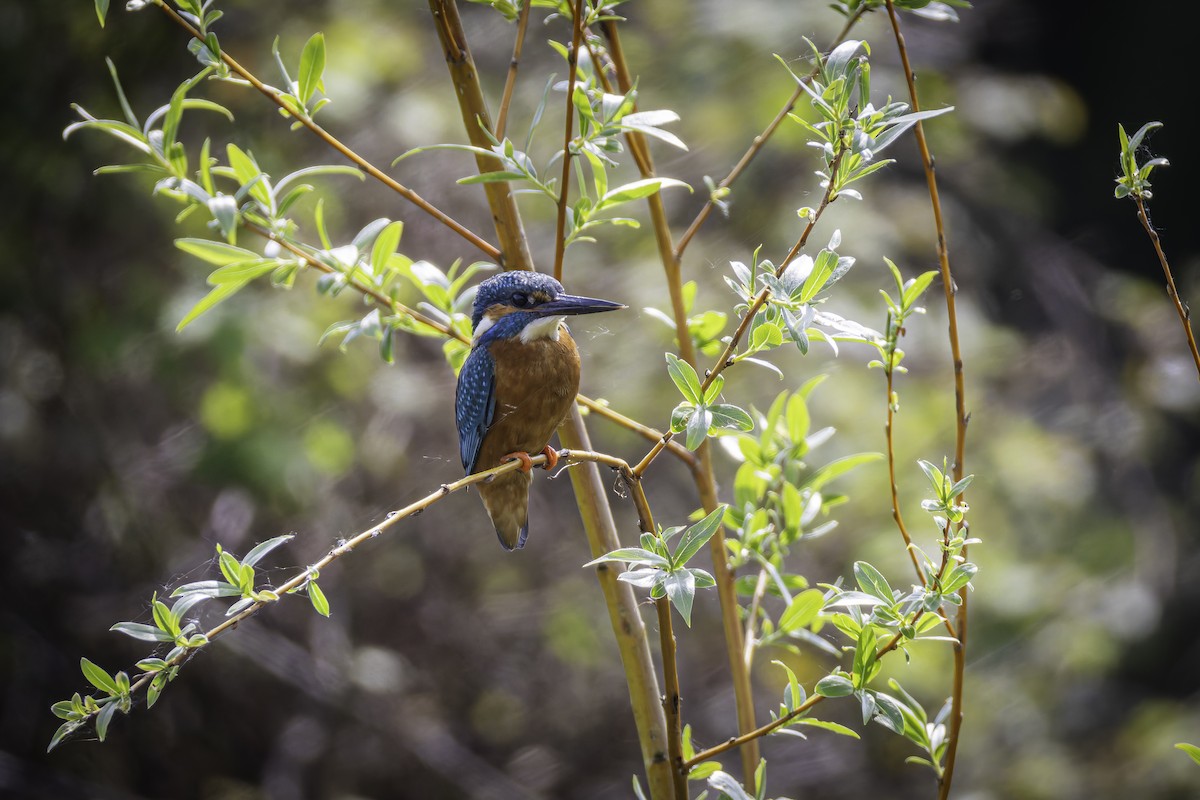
(98, 677)
(827, 726)
(249, 174)
(385, 247)
(631, 555)
(64, 730)
(726, 415)
(793, 696)
(697, 535)
(637, 189)
(728, 785)
(834, 686)
(871, 581)
(101, 11)
(866, 660)
(1191, 749)
(145, 633)
(697, 428)
(208, 589)
(681, 591)
(312, 66)
(242, 272)
(261, 549)
(217, 295)
(104, 718)
(802, 611)
(684, 376)
(703, 770)
(317, 598)
(217, 253)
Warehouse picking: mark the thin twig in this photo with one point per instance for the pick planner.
(514, 246)
(705, 480)
(760, 589)
(1185, 316)
(889, 369)
(511, 81)
(672, 701)
(560, 235)
(759, 142)
(960, 625)
(274, 96)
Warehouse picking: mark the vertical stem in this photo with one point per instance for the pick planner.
(1185, 316)
(891, 451)
(960, 625)
(704, 478)
(560, 237)
(514, 246)
(511, 81)
(627, 624)
(672, 701)
(628, 627)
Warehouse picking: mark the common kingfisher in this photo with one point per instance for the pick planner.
(516, 387)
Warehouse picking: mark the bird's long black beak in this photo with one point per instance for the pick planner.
(568, 304)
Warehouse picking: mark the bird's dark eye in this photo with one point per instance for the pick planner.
(520, 299)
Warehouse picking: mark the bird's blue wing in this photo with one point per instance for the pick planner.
(475, 404)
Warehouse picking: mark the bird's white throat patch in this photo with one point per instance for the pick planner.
(544, 328)
(485, 322)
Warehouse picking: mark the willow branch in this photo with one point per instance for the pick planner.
(628, 628)
(477, 123)
(889, 370)
(759, 142)
(960, 626)
(705, 480)
(275, 96)
(1185, 316)
(392, 519)
(511, 81)
(776, 724)
(672, 701)
(560, 235)
(726, 358)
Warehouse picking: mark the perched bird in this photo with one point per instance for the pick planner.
(516, 387)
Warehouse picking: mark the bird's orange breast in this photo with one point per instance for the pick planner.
(536, 383)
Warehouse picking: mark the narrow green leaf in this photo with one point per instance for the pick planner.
(726, 415)
(837, 468)
(217, 295)
(217, 253)
(632, 555)
(802, 611)
(101, 11)
(64, 730)
(385, 247)
(635, 190)
(98, 677)
(145, 633)
(1191, 749)
(317, 597)
(697, 535)
(681, 591)
(242, 272)
(834, 686)
(685, 379)
(871, 581)
(261, 549)
(312, 67)
(104, 718)
(828, 726)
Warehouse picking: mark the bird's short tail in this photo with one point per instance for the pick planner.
(507, 502)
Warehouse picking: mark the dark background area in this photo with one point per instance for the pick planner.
(451, 669)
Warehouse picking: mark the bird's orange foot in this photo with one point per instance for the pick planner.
(551, 458)
(520, 455)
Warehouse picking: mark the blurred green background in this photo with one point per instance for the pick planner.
(450, 669)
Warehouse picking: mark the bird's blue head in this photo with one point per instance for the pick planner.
(519, 298)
